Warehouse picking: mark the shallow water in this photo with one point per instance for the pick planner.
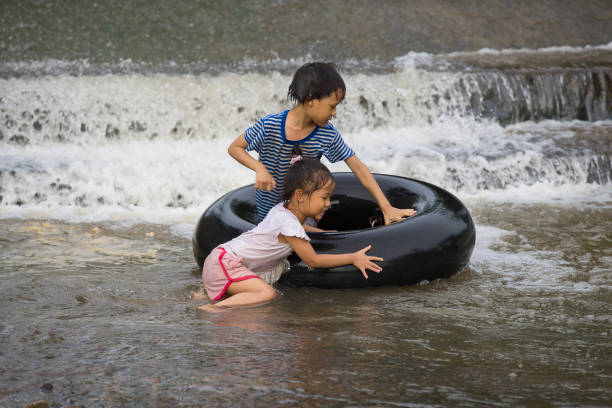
(115, 118)
(102, 313)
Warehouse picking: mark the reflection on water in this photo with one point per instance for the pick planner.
(99, 315)
(62, 244)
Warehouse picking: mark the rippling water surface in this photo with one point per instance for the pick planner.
(114, 124)
(102, 314)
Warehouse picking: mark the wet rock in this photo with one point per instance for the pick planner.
(176, 127)
(19, 139)
(37, 125)
(38, 197)
(137, 126)
(80, 200)
(364, 102)
(37, 404)
(46, 387)
(385, 106)
(599, 171)
(112, 132)
(60, 186)
(199, 104)
(43, 114)
(64, 127)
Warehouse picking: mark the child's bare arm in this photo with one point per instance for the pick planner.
(390, 213)
(310, 228)
(358, 259)
(263, 178)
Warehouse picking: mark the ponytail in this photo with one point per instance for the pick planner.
(305, 174)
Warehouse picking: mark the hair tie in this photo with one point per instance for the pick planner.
(295, 159)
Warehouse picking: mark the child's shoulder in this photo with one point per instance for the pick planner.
(327, 132)
(270, 124)
(281, 214)
(274, 117)
(280, 211)
(328, 127)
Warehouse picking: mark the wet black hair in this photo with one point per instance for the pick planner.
(306, 174)
(315, 80)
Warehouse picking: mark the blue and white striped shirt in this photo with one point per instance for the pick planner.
(267, 138)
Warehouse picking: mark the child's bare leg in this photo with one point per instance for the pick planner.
(248, 292)
(211, 308)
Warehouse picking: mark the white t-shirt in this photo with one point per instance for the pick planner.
(260, 248)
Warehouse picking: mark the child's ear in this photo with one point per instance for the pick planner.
(299, 195)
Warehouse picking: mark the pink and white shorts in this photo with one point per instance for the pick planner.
(221, 268)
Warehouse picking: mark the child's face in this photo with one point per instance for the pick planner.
(322, 110)
(319, 201)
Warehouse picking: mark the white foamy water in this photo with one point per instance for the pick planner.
(139, 181)
(520, 264)
(152, 148)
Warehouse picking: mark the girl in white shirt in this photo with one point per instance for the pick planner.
(230, 272)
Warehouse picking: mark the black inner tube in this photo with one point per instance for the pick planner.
(435, 243)
(351, 209)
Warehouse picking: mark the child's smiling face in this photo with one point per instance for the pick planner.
(322, 110)
(320, 200)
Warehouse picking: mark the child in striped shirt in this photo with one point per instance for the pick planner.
(317, 89)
